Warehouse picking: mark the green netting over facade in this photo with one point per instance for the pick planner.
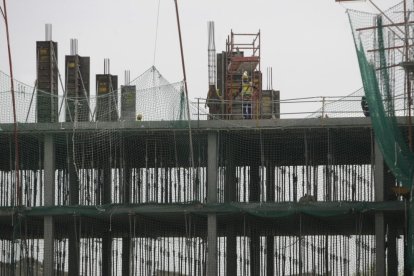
(394, 148)
(378, 41)
(264, 210)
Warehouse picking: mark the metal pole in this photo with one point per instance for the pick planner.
(16, 140)
(407, 78)
(185, 85)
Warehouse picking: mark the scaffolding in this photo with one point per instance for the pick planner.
(242, 55)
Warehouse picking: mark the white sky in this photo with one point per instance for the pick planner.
(307, 42)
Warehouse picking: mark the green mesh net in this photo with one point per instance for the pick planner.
(380, 51)
(388, 135)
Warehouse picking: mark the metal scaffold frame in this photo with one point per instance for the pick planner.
(243, 54)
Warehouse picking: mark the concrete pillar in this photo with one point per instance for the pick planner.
(326, 255)
(74, 230)
(73, 176)
(391, 248)
(270, 252)
(254, 187)
(380, 244)
(74, 247)
(379, 216)
(254, 252)
(230, 177)
(126, 199)
(49, 197)
(230, 196)
(49, 236)
(392, 259)
(106, 253)
(212, 245)
(126, 256)
(107, 183)
(107, 199)
(212, 166)
(270, 197)
(254, 196)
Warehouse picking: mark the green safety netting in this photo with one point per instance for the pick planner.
(377, 40)
(388, 135)
(270, 210)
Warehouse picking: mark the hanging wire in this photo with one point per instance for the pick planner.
(156, 33)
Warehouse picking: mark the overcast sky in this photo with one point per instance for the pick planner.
(307, 42)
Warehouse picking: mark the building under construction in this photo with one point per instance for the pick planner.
(101, 193)
(229, 70)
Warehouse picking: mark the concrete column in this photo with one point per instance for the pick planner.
(254, 196)
(49, 235)
(212, 166)
(107, 199)
(212, 245)
(379, 216)
(107, 183)
(270, 197)
(73, 257)
(254, 253)
(126, 199)
(391, 248)
(126, 256)
(380, 244)
(74, 247)
(73, 177)
(230, 196)
(392, 259)
(49, 196)
(230, 177)
(270, 252)
(270, 182)
(254, 187)
(379, 174)
(106, 254)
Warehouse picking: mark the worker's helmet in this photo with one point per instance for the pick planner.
(245, 75)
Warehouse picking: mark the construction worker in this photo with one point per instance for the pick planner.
(364, 105)
(246, 93)
(214, 100)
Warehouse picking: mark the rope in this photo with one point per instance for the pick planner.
(156, 32)
(15, 130)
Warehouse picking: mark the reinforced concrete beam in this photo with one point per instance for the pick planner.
(243, 125)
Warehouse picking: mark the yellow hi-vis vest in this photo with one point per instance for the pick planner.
(247, 89)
